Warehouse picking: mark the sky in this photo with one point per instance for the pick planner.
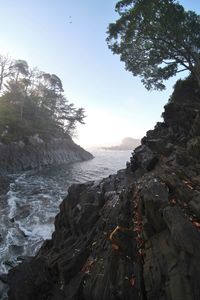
(68, 38)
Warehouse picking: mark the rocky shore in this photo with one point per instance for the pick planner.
(133, 235)
(35, 153)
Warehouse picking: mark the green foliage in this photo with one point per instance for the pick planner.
(33, 102)
(156, 39)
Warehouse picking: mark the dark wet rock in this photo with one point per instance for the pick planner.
(133, 235)
(15, 249)
(9, 263)
(1, 237)
(4, 277)
(91, 243)
(32, 155)
(4, 184)
(194, 205)
(144, 158)
(23, 212)
(3, 291)
(193, 147)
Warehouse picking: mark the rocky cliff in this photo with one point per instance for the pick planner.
(133, 235)
(35, 153)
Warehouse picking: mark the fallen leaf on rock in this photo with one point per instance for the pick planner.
(190, 187)
(115, 247)
(173, 201)
(196, 224)
(113, 232)
(137, 229)
(141, 253)
(189, 184)
(87, 266)
(132, 281)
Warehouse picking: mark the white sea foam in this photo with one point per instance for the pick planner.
(12, 199)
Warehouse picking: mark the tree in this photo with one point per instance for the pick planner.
(33, 102)
(156, 39)
(20, 67)
(16, 94)
(5, 69)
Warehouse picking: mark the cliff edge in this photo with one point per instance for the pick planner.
(133, 235)
(34, 152)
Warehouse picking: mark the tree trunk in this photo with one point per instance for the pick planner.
(22, 109)
(197, 77)
(1, 77)
(196, 71)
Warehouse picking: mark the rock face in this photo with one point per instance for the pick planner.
(36, 153)
(133, 235)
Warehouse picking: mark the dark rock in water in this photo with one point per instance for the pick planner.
(1, 238)
(24, 211)
(15, 249)
(3, 291)
(9, 263)
(133, 235)
(4, 184)
(4, 277)
(20, 156)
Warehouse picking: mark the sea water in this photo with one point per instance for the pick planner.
(32, 202)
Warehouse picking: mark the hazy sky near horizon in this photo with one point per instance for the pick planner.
(67, 38)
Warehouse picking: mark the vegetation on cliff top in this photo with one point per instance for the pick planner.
(156, 39)
(33, 102)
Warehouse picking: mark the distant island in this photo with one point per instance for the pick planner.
(127, 143)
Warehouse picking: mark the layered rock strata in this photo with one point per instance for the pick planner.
(35, 153)
(133, 235)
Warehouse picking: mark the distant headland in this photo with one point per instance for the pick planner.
(127, 143)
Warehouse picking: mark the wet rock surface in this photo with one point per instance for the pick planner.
(4, 185)
(33, 154)
(133, 235)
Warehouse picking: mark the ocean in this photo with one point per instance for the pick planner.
(32, 202)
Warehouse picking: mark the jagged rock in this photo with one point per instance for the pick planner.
(133, 235)
(4, 277)
(144, 158)
(193, 147)
(92, 243)
(194, 205)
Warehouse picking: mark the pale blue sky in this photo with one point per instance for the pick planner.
(116, 103)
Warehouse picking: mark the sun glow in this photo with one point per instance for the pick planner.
(103, 128)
